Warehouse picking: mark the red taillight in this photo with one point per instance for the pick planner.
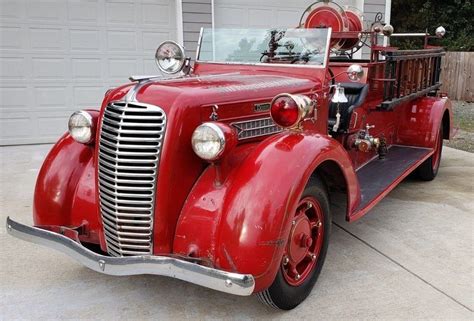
(285, 111)
(288, 110)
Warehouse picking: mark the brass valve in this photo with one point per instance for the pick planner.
(366, 142)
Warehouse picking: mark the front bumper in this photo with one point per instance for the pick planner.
(233, 283)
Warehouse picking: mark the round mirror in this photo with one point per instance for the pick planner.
(170, 57)
(355, 72)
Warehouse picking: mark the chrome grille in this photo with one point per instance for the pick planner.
(129, 151)
(256, 128)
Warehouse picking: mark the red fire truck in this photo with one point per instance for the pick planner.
(221, 172)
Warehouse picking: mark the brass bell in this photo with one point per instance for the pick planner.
(339, 95)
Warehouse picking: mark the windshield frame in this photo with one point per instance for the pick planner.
(239, 63)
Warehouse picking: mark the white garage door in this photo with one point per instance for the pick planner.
(58, 56)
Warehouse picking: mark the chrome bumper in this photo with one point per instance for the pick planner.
(233, 283)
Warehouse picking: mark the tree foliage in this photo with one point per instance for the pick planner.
(457, 16)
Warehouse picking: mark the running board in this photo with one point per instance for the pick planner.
(380, 176)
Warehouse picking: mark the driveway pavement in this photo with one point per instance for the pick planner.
(410, 258)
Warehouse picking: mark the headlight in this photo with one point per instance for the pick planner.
(208, 141)
(170, 57)
(81, 127)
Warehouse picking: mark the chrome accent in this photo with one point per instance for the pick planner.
(220, 136)
(140, 78)
(440, 32)
(91, 126)
(181, 52)
(214, 115)
(355, 72)
(256, 128)
(129, 152)
(262, 107)
(305, 107)
(233, 283)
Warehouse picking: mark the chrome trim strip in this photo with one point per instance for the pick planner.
(233, 283)
(256, 128)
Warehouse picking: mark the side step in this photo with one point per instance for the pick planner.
(380, 176)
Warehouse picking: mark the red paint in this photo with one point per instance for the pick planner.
(237, 214)
(305, 242)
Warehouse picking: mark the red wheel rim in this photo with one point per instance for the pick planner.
(437, 153)
(304, 243)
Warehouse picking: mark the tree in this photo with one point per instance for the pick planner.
(457, 16)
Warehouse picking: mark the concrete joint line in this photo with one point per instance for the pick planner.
(403, 267)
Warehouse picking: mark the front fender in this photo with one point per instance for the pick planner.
(65, 190)
(243, 224)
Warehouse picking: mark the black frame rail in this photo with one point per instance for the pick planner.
(410, 74)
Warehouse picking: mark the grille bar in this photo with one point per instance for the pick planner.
(129, 152)
(256, 128)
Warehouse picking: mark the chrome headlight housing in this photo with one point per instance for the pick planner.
(170, 57)
(81, 127)
(208, 141)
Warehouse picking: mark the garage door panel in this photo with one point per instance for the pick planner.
(87, 95)
(47, 10)
(58, 56)
(50, 97)
(83, 12)
(14, 99)
(84, 40)
(12, 37)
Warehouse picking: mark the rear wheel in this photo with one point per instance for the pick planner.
(429, 169)
(305, 250)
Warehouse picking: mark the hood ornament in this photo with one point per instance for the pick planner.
(214, 116)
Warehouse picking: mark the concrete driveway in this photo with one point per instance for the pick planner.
(410, 258)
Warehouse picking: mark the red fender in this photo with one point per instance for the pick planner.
(65, 189)
(243, 224)
(419, 125)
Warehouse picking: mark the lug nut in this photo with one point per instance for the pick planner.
(293, 223)
(297, 277)
(309, 205)
(286, 260)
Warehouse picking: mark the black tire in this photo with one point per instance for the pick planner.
(428, 170)
(282, 295)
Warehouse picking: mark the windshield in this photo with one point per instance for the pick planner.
(267, 46)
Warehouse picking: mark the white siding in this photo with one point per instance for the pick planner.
(197, 14)
(263, 13)
(57, 56)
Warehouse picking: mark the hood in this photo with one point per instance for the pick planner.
(184, 100)
(208, 89)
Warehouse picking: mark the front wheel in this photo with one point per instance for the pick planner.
(305, 250)
(428, 170)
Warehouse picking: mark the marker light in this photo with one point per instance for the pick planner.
(289, 110)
